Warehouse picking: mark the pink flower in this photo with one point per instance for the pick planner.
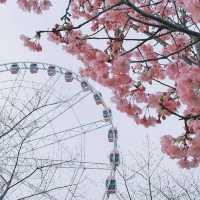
(139, 95)
(34, 5)
(3, 1)
(194, 150)
(124, 106)
(147, 122)
(34, 46)
(45, 4)
(194, 126)
(148, 51)
(172, 70)
(169, 146)
(55, 37)
(188, 87)
(120, 64)
(187, 151)
(188, 164)
(184, 163)
(193, 7)
(180, 42)
(114, 19)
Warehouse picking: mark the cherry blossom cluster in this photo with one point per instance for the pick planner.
(150, 61)
(37, 6)
(192, 7)
(31, 44)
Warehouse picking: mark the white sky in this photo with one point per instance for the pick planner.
(15, 22)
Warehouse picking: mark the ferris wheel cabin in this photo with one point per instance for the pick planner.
(111, 185)
(34, 68)
(107, 114)
(68, 76)
(85, 86)
(112, 134)
(14, 69)
(51, 70)
(115, 158)
(98, 98)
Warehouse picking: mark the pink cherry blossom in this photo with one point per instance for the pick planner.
(3, 1)
(169, 146)
(193, 7)
(34, 46)
(38, 6)
(147, 122)
(188, 86)
(55, 37)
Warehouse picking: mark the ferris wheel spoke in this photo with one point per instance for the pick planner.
(82, 142)
(45, 191)
(63, 139)
(10, 97)
(61, 103)
(73, 179)
(33, 171)
(9, 148)
(25, 106)
(35, 161)
(16, 93)
(29, 185)
(8, 125)
(72, 98)
(9, 93)
(78, 182)
(38, 108)
(38, 95)
(78, 100)
(79, 130)
(75, 99)
(74, 166)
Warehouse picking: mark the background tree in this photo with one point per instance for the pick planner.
(146, 51)
(148, 177)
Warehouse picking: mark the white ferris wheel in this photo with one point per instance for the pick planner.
(57, 138)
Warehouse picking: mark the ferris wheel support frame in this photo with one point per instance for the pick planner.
(88, 87)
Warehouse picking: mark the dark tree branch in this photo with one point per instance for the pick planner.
(165, 23)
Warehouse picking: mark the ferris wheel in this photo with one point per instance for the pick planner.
(57, 138)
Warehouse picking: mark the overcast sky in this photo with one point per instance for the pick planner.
(15, 22)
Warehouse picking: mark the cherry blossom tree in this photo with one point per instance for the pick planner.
(145, 44)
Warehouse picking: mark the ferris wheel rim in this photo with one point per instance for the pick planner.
(61, 70)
